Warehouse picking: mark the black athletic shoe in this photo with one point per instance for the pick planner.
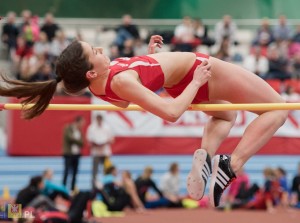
(197, 178)
(221, 178)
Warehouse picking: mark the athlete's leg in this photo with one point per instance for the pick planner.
(215, 131)
(237, 85)
(217, 128)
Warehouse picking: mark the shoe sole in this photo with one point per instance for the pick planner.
(195, 183)
(216, 160)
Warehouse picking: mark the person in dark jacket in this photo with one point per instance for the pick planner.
(72, 145)
(143, 184)
(31, 195)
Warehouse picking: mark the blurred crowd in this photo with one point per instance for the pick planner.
(274, 52)
(118, 191)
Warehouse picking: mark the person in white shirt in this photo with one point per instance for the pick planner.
(100, 138)
(256, 62)
(226, 28)
(170, 185)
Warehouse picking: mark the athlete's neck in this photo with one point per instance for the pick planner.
(98, 84)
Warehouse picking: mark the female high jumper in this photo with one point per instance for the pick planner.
(188, 78)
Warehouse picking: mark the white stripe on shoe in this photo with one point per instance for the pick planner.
(224, 175)
(220, 183)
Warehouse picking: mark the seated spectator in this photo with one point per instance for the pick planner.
(256, 63)
(51, 189)
(42, 46)
(170, 186)
(130, 188)
(59, 43)
(128, 48)
(278, 65)
(25, 28)
(295, 198)
(201, 32)
(282, 31)
(184, 36)
(113, 194)
(296, 66)
(44, 73)
(266, 198)
(226, 28)
(140, 48)
(223, 53)
(290, 95)
(296, 36)
(264, 34)
(126, 31)
(10, 32)
(31, 195)
(240, 191)
(284, 188)
(143, 184)
(29, 67)
(49, 27)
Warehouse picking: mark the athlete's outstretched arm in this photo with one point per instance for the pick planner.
(128, 88)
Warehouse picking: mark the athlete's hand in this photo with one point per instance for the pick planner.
(202, 73)
(155, 41)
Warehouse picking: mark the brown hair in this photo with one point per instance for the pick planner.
(71, 67)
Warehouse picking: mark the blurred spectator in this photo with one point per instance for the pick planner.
(184, 36)
(201, 32)
(26, 17)
(51, 189)
(170, 186)
(256, 62)
(267, 197)
(31, 195)
(143, 184)
(290, 95)
(226, 29)
(296, 65)
(130, 188)
(21, 52)
(100, 138)
(264, 34)
(284, 188)
(112, 191)
(72, 145)
(127, 50)
(49, 26)
(42, 46)
(127, 30)
(114, 52)
(44, 73)
(296, 36)
(30, 67)
(296, 189)
(10, 32)
(140, 48)
(278, 65)
(58, 44)
(240, 191)
(223, 53)
(282, 31)
(30, 28)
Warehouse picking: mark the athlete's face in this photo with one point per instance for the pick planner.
(96, 57)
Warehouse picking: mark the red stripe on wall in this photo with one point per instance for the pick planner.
(178, 145)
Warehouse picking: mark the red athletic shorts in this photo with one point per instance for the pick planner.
(202, 94)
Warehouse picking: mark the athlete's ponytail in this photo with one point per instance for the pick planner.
(39, 93)
(71, 68)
